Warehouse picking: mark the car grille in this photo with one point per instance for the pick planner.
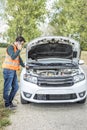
(55, 97)
(55, 82)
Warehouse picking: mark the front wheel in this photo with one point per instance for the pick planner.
(23, 101)
(82, 101)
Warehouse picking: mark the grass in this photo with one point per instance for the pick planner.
(84, 56)
(4, 113)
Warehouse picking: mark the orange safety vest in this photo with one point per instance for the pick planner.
(9, 63)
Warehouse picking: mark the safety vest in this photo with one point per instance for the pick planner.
(9, 63)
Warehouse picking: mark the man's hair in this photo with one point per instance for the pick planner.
(20, 39)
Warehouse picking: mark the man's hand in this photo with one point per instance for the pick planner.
(27, 67)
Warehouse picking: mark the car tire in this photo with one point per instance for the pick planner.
(23, 101)
(82, 101)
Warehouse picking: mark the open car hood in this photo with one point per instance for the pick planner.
(53, 47)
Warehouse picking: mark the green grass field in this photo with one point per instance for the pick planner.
(4, 114)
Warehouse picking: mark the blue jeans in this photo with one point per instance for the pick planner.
(10, 86)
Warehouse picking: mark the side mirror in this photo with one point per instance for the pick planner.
(81, 62)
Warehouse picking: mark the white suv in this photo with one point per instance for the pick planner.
(54, 74)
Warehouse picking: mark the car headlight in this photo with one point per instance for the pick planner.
(79, 77)
(30, 78)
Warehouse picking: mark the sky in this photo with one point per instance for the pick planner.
(49, 4)
(3, 25)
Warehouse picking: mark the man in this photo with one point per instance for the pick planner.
(10, 65)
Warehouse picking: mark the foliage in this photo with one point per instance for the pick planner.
(4, 118)
(4, 45)
(70, 19)
(23, 17)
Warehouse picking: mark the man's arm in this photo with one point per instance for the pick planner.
(21, 62)
(11, 52)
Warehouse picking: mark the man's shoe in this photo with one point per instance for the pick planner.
(10, 108)
(13, 105)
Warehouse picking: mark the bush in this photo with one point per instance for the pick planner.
(4, 45)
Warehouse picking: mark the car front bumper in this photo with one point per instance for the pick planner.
(34, 93)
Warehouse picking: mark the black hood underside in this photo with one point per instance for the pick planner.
(51, 50)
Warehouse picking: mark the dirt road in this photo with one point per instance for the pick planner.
(49, 116)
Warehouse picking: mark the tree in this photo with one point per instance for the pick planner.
(23, 17)
(70, 19)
